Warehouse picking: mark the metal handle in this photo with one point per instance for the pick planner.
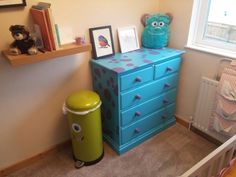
(137, 113)
(138, 97)
(163, 116)
(167, 85)
(137, 130)
(165, 101)
(138, 79)
(169, 69)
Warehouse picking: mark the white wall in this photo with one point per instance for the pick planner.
(195, 64)
(32, 95)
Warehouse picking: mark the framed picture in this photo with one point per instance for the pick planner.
(102, 41)
(12, 3)
(128, 39)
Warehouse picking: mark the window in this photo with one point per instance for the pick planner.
(213, 27)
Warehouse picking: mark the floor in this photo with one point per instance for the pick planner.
(168, 154)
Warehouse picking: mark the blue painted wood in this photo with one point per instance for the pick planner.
(148, 91)
(147, 123)
(138, 112)
(136, 83)
(166, 68)
(137, 78)
(126, 147)
(123, 62)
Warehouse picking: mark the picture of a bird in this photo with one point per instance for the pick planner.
(103, 41)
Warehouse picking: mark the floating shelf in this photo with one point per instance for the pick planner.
(65, 50)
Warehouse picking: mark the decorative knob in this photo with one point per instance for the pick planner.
(167, 85)
(138, 97)
(169, 69)
(163, 116)
(137, 130)
(138, 79)
(165, 101)
(137, 113)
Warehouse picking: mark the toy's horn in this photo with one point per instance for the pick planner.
(144, 19)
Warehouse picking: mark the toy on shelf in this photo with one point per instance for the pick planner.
(156, 30)
(23, 42)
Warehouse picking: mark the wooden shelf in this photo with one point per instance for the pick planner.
(65, 50)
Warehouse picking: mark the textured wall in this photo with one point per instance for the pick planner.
(195, 64)
(32, 95)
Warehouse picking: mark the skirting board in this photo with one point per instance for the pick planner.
(27, 162)
(186, 124)
(183, 122)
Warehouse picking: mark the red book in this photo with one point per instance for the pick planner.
(39, 18)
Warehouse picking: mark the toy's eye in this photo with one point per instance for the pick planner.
(154, 23)
(161, 23)
(76, 128)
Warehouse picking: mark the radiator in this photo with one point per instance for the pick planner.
(204, 107)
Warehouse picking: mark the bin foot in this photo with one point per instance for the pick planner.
(87, 163)
(78, 164)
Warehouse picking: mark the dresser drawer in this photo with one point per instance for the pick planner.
(136, 79)
(138, 112)
(166, 68)
(143, 93)
(157, 119)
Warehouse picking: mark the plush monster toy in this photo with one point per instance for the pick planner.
(156, 30)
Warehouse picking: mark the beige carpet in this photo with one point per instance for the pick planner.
(167, 154)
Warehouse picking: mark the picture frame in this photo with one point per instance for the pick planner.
(128, 39)
(102, 41)
(12, 3)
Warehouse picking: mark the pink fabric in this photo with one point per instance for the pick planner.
(223, 118)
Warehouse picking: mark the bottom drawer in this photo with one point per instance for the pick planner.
(153, 120)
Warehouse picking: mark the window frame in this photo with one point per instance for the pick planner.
(196, 32)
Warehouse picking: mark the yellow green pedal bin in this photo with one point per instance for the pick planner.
(84, 117)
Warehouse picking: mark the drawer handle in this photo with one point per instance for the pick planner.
(169, 69)
(163, 117)
(167, 85)
(137, 113)
(138, 79)
(165, 101)
(137, 130)
(138, 97)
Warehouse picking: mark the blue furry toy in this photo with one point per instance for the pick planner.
(156, 30)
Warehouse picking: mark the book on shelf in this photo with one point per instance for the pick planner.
(58, 35)
(47, 25)
(52, 29)
(39, 18)
(37, 36)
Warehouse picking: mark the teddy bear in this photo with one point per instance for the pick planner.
(23, 42)
(156, 30)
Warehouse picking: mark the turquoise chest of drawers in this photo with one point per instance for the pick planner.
(138, 91)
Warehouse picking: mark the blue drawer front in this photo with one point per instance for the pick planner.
(148, 91)
(154, 120)
(137, 78)
(166, 68)
(138, 112)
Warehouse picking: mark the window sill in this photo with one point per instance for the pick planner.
(212, 50)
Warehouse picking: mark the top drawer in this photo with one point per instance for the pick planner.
(137, 78)
(166, 68)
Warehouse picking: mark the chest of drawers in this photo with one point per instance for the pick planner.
(138, 91)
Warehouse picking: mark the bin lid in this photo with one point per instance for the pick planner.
(82, 100)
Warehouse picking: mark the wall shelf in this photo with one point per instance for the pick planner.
(65, 50)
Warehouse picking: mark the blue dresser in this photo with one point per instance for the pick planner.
(138, 91)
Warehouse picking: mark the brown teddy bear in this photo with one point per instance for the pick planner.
(23, 43)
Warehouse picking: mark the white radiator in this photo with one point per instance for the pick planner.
(204, 107)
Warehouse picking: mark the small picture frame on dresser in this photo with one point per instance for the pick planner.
(128, 39)
(102, 41)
